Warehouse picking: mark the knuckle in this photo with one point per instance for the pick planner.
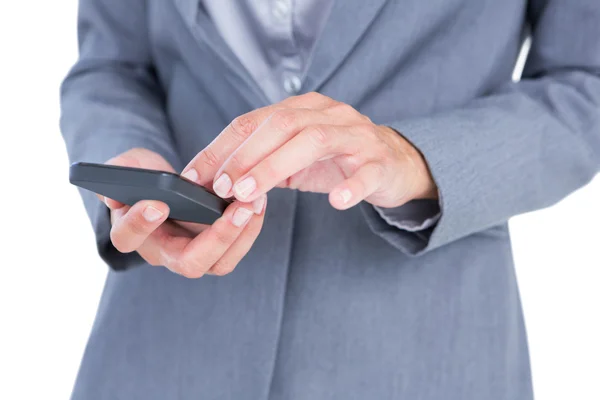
(238, 162)
(187, 267)
(222, 268)
(283, 120)
(150, 259)
(136, 225)
(268, 172)
(318, 136)
(242, 127)
(344, 108)
(354, 162)
(220, 236)
(153, 262)
(350, 112)
(365, 118)
(313, 97)
(369, 130)
(119, 243)
(190, 274)
(208, 158)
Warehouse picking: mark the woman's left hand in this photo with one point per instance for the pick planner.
(313, 143)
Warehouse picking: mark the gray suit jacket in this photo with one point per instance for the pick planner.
(329, 304)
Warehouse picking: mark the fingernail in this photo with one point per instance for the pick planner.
(244, 188)
(241, 216)
(106, 202)
(191, 174)
(152, 214)
(259, 204)
(346, 195)
(222, 186)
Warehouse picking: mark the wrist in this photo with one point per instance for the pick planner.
(425, 187)
(422, 185)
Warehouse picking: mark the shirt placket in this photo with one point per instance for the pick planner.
(290, 65)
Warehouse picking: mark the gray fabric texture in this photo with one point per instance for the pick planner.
(330, 304)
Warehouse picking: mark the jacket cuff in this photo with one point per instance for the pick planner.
(414, 216)
(461, 170)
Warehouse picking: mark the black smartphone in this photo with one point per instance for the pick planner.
(187, 200)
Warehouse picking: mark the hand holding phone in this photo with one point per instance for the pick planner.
(149, 203)
(187, 201)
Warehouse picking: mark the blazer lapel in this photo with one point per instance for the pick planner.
(348, 21)
(206, 34)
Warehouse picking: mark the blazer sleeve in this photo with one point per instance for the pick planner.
(111, 101)
(523, 147)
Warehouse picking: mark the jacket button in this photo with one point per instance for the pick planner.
(292, 84)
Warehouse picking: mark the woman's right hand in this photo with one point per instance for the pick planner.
(188, 249)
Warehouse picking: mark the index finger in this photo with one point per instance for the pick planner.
(204, 166)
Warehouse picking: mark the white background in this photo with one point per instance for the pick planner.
(51, 278)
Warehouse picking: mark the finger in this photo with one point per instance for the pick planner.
(141, 158)
(179, 234)
(204, 166)
(227, 263)
(110, 203)
(312, 100)
(192, 228)
(193, 257)
(118, 213)
(279, 128)
(365, 181)
(309, 146)
(136, 158)
(167, 234)
(130, 229)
